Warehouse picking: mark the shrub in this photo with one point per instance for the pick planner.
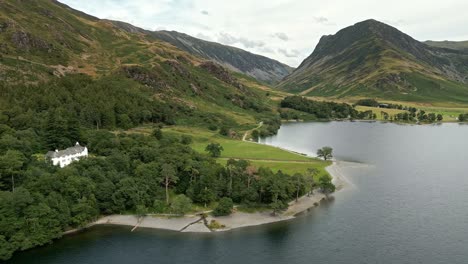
(215, 225)
(157, 133)
(186, 140)
(181, 204)
(224, 131)
(224, 207)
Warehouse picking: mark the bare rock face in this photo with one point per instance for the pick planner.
(178, 68)
(195, 89)
(145, 77)
(26, 42)
(257, 66)
(221, 73)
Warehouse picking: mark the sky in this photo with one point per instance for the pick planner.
(285, 30)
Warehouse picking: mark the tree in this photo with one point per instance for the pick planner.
(224, 131)
(440, 117)
(463, 117)
(326, 153)
(299, 184)
(181, 204)
(157, 133)
(214, 149)
(224, 207)
(10, 166)
(311, 172)
(255, 134)
(326, 185)
(170, 176)
(141, 210)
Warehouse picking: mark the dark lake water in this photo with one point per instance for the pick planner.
(410, 205)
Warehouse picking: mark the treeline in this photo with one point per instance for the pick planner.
(116, 102)
(108, 102)
(375, 103)
(463, 118)
(270, 127)
(126, 173)
(324, 110)
(321, 110)
(413, 116)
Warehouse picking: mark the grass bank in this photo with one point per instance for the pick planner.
(259, 155)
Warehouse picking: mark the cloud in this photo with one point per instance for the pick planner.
(281, 35)
(266, 50)
(323, 20)
(395, 23)
(229, 39)
(303, 22)
(290, 54)
(203, 36)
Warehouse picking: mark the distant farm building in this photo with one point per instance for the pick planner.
(65, 157)
(384, 105)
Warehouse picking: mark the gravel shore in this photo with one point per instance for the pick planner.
(196, 224)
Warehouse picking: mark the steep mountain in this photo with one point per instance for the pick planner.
(45, 43)
(259, 67)
(371, 58)
(457, 45)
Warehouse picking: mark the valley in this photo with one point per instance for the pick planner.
(186, 134)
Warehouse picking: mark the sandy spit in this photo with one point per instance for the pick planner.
(195, 224)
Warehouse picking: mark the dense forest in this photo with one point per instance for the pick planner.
(324, 110)
(126, 173)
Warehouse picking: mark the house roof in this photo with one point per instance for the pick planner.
(66, 152)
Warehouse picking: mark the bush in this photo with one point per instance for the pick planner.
(186, 140)
(255, 134)
(160, 206)
(368, 102)
(224, 131)
(215, 225)
(213, 127)
(157, 133)
(224, 207)
(181, 204)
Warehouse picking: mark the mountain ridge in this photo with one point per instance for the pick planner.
(257, 66)
(45, 41)
(371, 58)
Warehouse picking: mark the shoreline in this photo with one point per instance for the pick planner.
(197, 224)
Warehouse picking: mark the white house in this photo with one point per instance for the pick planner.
(65, 157)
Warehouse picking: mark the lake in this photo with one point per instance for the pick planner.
(408, 203)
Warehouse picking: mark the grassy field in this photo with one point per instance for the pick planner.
(258, 154)
(450, 111)
(378, 111)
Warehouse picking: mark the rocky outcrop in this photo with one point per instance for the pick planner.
(145, 77)
(221, 73)
(257, 66)
(26, 42)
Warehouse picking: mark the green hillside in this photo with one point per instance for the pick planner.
(46, 46)
(259, 67)
(372, 59)
(458, 45)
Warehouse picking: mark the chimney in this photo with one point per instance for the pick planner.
(77, 143)
(56, 150)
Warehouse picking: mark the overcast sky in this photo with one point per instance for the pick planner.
(285, 30)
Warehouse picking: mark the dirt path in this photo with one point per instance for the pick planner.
(270, 160)
(250, 131)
